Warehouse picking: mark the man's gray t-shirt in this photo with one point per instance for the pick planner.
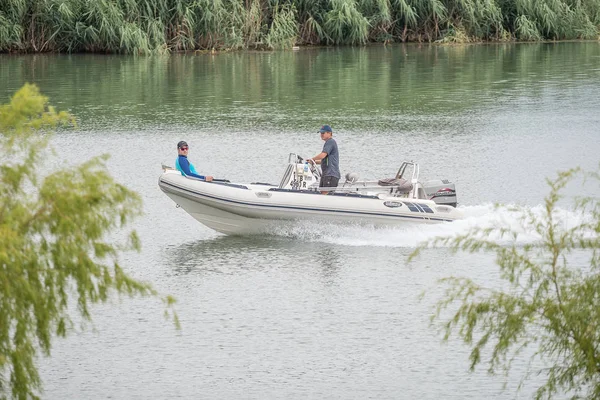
(330, 165)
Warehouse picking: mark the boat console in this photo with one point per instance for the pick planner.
(301, 175)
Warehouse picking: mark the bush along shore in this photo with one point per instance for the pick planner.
(163, 26)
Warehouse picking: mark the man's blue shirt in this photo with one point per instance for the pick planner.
(187, 168)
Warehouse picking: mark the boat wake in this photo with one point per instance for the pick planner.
(481, 216)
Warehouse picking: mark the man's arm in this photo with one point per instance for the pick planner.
(317, 159)
(185, 166)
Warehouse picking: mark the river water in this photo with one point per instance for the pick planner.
(314, 310)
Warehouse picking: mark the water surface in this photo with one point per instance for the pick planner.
(314, 311)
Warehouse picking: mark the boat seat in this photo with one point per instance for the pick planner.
(399, 185)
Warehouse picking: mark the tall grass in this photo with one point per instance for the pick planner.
(159, 26)
(345, 24)
(284, 28)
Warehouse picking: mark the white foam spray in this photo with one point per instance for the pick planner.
(411, 235)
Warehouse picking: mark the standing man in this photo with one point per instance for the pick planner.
(184, 166)
(329, 159)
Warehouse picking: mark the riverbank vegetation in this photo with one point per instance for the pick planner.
(162, 26)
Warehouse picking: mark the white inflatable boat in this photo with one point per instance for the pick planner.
(253, 208)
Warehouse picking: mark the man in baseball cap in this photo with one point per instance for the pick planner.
(325, 128)
(329, 159)
(184, 166)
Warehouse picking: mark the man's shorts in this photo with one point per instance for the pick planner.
(329, 181)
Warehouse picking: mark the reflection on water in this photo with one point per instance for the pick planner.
(291, 90)
(224, 254)
(235, 255)
(330, 261)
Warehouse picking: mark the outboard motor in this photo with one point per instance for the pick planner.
(441, 191)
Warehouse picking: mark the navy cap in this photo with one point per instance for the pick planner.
(181, 144)
(325, 128)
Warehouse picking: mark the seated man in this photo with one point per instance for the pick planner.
(184, 166)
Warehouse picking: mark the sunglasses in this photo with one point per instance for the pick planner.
(183, 148)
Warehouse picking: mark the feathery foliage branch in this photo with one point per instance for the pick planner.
(547, 303)
(53, 241)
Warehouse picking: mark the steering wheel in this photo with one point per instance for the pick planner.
(313, 168)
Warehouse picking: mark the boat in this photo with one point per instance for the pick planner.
(253, 208)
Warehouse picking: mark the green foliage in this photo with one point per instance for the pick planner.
(379, 16)
(161, 26)
(253, 25)
(546, 304)
(526, 29)
(344, 24)
(53, 240)
(284, 29)
(455, 35)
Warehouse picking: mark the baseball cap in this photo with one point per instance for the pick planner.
(325, 128)
(181, 144)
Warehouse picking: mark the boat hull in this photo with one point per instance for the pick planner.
(237, 209)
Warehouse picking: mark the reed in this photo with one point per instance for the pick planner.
(284, 28)
(253, 25)
(344, 24)
(162, 26)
